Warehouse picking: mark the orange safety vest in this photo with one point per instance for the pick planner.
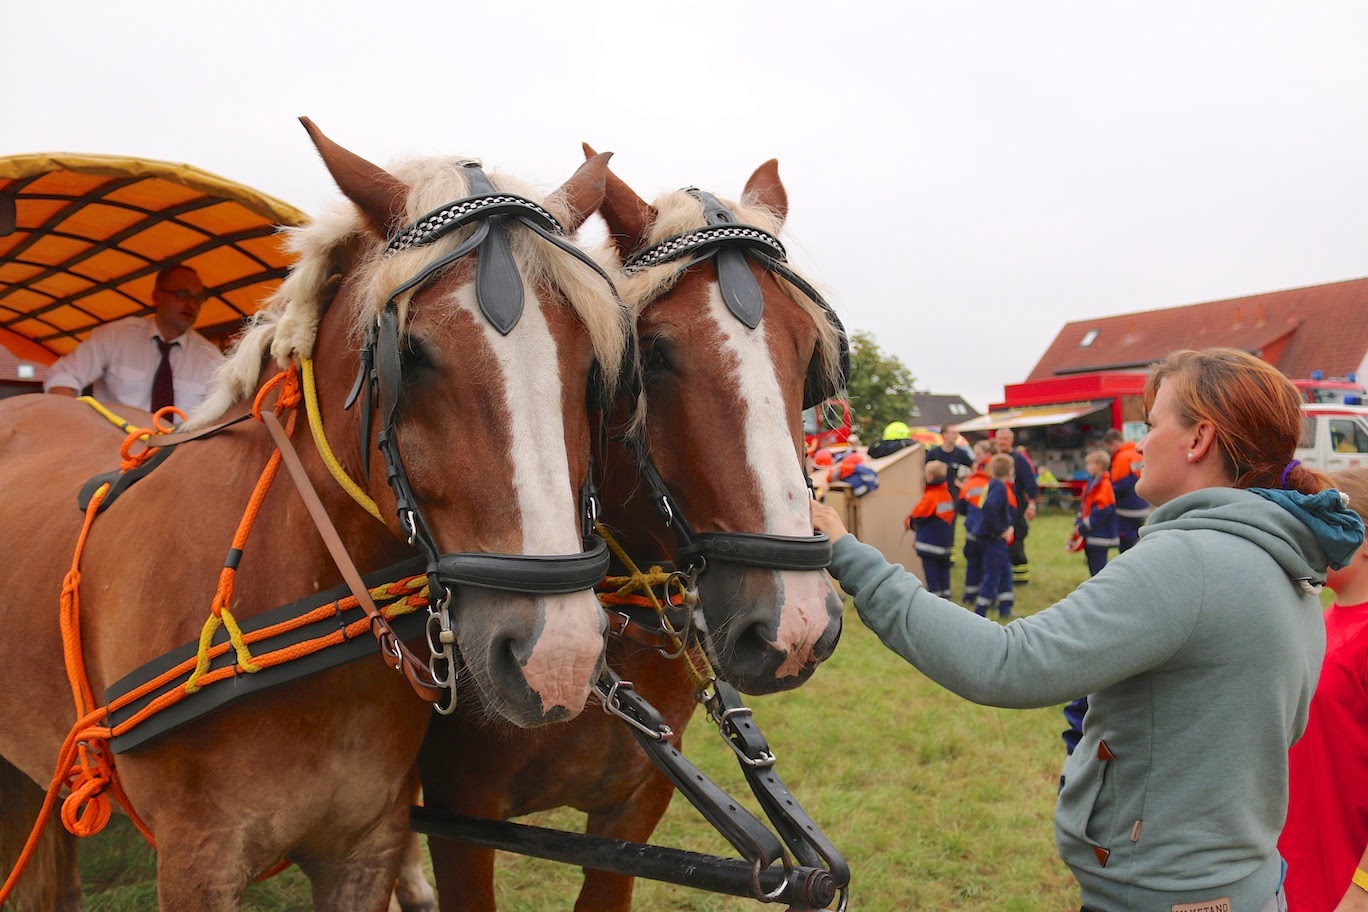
(1098, 496)
(976, 486)
(935, 502)
(1126, 461)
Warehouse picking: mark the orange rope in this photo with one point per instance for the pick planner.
(613, 599)
(288, 398)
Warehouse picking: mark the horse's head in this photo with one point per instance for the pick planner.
(479, 328)
(733, 345)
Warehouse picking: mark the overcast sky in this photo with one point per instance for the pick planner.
(963, 177)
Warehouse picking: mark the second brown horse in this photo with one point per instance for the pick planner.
(719, 413)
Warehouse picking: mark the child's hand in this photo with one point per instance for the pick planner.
(825, 519)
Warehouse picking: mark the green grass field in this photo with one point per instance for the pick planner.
(935, 802)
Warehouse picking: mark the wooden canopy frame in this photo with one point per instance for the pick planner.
(82, 238)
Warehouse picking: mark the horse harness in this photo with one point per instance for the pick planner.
(730, 245)
(379, 382)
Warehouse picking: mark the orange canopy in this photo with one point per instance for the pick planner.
(82, 238)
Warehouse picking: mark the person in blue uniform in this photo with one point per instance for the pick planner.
(1131, 509)
(933, 522)
(992, 526)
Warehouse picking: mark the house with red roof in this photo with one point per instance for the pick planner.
(1322, 328)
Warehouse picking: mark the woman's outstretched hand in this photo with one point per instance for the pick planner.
(825, 519)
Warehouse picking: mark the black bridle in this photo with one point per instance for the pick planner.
(729, 244)
(380, 379)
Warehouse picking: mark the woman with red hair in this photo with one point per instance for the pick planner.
(1199, 647)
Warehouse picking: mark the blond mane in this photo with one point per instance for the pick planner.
(679, 212)
(287, 326)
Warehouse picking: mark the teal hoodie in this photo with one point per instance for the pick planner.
(1199, 648)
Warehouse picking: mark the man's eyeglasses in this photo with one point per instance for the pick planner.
(185, 295)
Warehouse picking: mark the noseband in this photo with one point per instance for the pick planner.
(380, 380)
(729, 244)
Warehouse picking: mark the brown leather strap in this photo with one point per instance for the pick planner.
(179, 437)
(621, 624)
(392, 650)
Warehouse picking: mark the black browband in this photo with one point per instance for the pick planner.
(379, 382)
(728, 244)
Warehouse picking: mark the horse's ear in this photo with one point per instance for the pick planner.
(380, 196)
(766, 189)
(629, 217)
(578, 198)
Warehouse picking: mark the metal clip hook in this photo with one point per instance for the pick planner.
(612, 707)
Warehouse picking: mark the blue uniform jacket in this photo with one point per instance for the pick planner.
(994, 515)
(933, 519)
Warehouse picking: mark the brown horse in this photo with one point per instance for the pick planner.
(719, 413)
(316, 770)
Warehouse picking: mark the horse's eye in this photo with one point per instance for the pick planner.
(414, 355)
(656, 355)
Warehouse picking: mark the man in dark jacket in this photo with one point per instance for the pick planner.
(953, 455)
(1027, 492)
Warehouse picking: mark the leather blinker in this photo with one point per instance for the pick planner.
(498, 286)
(740, 290)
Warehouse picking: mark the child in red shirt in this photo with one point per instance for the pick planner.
(1326, 833)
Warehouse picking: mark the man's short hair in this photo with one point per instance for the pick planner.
(165, 272)
(1101, 457)
(1001, 466)
(935, 470)
(1113, 436)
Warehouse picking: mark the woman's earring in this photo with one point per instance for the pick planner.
(1189, 457)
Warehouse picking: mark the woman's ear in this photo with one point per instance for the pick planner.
(1203, 440)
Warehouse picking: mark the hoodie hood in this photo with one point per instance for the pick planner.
(1304, 533)
(1338, 528)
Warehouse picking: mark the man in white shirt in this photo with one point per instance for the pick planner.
(146, 362)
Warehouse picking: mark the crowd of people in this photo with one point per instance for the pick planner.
(1198, 639)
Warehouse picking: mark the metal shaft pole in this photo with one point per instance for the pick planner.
(805, 888)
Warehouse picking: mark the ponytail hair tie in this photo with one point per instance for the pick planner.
(1288, 471)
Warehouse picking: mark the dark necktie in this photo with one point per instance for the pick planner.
(163, 391)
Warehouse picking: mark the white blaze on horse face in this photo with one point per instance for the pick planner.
(566, 655)
(777, 476)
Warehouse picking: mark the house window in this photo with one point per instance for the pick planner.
(1089, 338)
(957, 408)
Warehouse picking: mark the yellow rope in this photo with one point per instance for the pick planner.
(700, 669)
(321, 442)
(119, 422)
(406, 603)
(637, 581)
(211, 625)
